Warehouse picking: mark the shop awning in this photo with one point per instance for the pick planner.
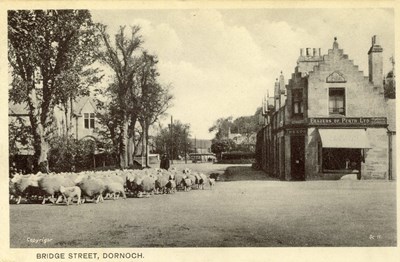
(344, 138)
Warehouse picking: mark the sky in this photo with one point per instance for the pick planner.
(222, 62)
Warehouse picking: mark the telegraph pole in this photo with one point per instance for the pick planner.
(171, 149)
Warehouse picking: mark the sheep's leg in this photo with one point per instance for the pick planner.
(79, 200)
(52, 199)
(123, 195)
(19, 200)
(98, 199)
(60, 197)
(11, 197)
(44, 200)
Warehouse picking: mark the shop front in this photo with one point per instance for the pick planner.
(343, 150)
(338, 147)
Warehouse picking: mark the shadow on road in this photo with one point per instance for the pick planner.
(243, 173)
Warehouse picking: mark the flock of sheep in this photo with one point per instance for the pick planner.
(97, 186)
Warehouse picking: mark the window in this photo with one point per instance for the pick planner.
(297, 95)
(89, 120)
(337, 101)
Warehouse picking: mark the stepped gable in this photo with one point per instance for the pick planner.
(337, 70)
(345, 66)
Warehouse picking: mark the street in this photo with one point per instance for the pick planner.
(253, 212)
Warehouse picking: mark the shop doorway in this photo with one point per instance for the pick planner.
(297, 158)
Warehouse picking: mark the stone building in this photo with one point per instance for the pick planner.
(329, 120)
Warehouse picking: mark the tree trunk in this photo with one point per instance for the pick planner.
(146, 135)
(131, 141)
(136, 145)
(143, 141)
(40, 144)
(67, 125)
(123, 144)
(131, 147)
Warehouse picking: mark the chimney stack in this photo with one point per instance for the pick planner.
(375, 63)
(282, 90)
(277, 103)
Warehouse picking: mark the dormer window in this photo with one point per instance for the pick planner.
(337, 101)
(89, 120)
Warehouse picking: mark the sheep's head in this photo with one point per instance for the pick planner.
(16, 178)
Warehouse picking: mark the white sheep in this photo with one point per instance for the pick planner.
(211, 181)
(70, 192)
(25, 185)
(51, 183)
(93, 188)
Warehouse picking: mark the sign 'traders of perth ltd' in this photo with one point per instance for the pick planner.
(347, 121)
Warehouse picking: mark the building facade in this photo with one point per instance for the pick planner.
(81, 119)
(329, 120)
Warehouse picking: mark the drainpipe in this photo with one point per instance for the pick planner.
(390, 141)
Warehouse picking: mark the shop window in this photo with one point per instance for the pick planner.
(337, 101)
(297, 95)
(89, 120)
(341, 159)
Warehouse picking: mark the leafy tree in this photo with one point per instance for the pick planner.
(390, 86)
(124, 63)
(47, 50)
(18, 135)
(219, 146)
(135, 95)
(221, 127)
(154, 98)
(68, 154)
(175, 144)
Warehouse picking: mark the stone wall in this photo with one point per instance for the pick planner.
(311, 150)
(376, 158)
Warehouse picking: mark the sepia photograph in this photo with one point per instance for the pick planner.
(190, 128)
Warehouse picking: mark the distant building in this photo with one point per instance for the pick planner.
(201, 146)
(329, 120)
(242, 139)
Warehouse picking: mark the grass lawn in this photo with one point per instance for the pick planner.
(249, 210)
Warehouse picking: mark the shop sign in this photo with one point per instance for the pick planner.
(295, 132)
(347, 121)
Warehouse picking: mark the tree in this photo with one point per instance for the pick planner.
(45, 46)
(18, 135)
(109, 125)
(176, 145)
(221, 127)
(154, 98)
(122, 60)
(247, 126)
(390, 82)
(219, 146)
